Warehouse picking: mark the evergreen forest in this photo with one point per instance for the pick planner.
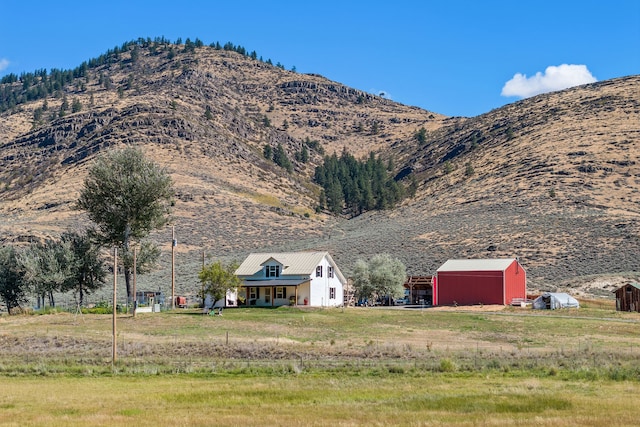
(351, 186)
(40, 84)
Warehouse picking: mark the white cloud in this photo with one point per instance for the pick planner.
(4, 63)
(554, 78)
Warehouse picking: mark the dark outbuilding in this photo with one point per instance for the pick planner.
(628, 297)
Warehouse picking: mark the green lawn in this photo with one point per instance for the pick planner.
(292, 366)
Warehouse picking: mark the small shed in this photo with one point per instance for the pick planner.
(479, 281)
(628, 297)
(555, 300)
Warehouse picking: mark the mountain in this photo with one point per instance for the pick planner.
(550, 179)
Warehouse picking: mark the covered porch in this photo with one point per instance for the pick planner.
(274, 293)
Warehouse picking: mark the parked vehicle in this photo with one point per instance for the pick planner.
(181, 302)
(362, 302)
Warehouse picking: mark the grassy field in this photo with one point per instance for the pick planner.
(316, 399)
(352, 366)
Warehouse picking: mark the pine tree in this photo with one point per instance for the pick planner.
(65, 104)
(135, 54)
(421, 136)
(267, 152)
(76, 105)
(280, 158)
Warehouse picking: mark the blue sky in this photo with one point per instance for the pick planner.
(459, 58)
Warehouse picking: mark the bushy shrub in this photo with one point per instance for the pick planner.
(447, 365)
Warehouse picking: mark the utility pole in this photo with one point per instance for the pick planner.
(135, 268)
(202, 283)
(173, 266)
(115, 281)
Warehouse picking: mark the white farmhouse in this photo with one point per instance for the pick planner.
(290, 278)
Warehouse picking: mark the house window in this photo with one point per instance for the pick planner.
(332, 293)
(253, 294)
(281, 292)
(272, 271)
(329, 272)
(319, 271)
(267, 294)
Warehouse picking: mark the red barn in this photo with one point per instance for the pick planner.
(479, 281)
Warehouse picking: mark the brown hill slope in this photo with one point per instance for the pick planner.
(551, 179)
(206, 116)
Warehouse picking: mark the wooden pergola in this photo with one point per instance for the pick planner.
(420, 288)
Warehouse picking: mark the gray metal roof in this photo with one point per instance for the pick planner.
(293, 263)
(274, 282)
(496, 264)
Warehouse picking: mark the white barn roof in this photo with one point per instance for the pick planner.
(293, 263)
(499, 264)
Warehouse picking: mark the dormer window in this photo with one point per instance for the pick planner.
(272, 271)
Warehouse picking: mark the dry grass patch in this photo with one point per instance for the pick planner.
(314, 400)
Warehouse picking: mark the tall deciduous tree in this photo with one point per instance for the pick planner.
(382, 276)
(361, 281)
(45, 267)
(88, 272)
(127, 196)
(217, 279)
(12, 287)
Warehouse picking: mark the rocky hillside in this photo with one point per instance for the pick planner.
(206, 116)
(550, 179)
